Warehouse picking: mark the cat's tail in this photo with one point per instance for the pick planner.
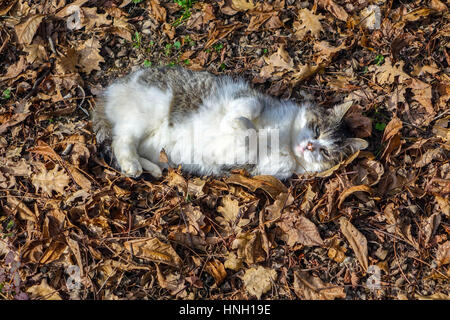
(100, 123)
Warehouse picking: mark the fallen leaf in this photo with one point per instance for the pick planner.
(24, 212)
(158, 11)
(357, 241)
(352, 190)
(280, 59)
(309, 23)
(269, 184)
(309, 287)
(249, 247)
(43, 291)
(392, 128)
(443, 254)
(49, 181)
(233, 262)
(90, 57)
(216, 269)
(258, 280)
(153, 249)
(299, 229)
(242, 5)
(26, 30)
(335, 9)
(388, 73)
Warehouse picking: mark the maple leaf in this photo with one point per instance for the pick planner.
(49, 181)
(309, 23)
(89, 55)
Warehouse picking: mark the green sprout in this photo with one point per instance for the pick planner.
(6, 94)
(379, 59)
(186, 6)
(147, 63)
(137, 37)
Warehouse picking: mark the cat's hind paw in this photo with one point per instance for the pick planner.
(152, 168)
(131, 168)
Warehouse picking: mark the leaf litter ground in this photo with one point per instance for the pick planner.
(373, 227)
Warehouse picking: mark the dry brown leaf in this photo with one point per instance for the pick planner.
(233, 262)
(43, 291)
(417, 14)
(275, 210)
(249, 247)
(429, 156)
(230, 218)
(36, 53)
(438, 5)
(359, 124)
(309, 23)
(441, 128)
(15, 69)
(299, 229)
(309, 287)
(443, 254)
(90, 57)
(5, 6)
(335, 9)
(392, 128)
(53, 252)
(434, 296)
(49, 181)
(352, 190)
(95, 19)
(26, 30)
(387, 73)
(216, 269)
(269, 184)
(177, 180)
(444, 204)
(258, 280)
(158, 11)
(153, 249)
(242, 5)
(280, 59)
(369, 172)
(24, 212)
(357, 241)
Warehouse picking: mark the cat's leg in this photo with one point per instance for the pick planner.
(124, 148)
(240, 114)
(151, 167)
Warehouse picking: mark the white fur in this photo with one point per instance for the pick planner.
(139, 118)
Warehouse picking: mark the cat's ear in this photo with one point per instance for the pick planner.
(357, 143)
(341, 109)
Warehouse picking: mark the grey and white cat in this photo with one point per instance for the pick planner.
(202, 121)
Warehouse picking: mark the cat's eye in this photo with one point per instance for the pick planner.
(316, 132)
(325, 152)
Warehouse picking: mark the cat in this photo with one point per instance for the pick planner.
(206, 122)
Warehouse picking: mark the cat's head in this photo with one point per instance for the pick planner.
(320, 139)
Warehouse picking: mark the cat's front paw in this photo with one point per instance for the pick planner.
(131, 168)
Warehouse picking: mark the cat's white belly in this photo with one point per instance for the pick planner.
(197, 144)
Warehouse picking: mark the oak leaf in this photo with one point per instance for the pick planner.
(49, 181)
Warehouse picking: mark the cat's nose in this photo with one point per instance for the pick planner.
(310, 146)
